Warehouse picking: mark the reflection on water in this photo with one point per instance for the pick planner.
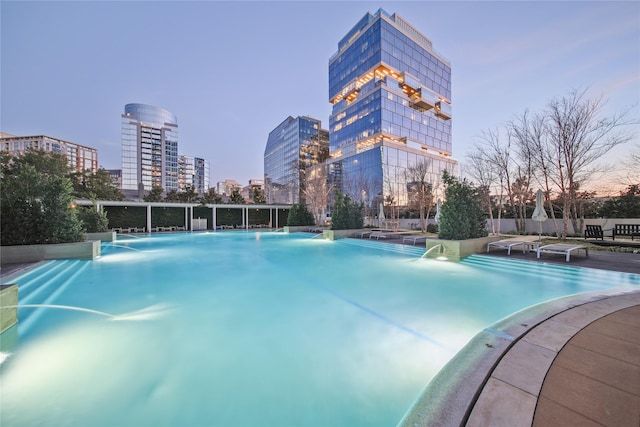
(237, 330)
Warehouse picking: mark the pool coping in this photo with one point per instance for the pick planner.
(514, 353)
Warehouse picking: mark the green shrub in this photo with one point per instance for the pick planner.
(346, 215)
(36, 200)
(461, 215)
(299, 214)
(94, 221)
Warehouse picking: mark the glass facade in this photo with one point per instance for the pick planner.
(391, 96)
(292, 147)
(149, 148)
(193, 171)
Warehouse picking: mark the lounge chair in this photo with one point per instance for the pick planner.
(510, 243)
(413, 239)
(362, 234)
(378, 235)
(562, 249)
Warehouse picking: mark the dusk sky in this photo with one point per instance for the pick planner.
(232, 71)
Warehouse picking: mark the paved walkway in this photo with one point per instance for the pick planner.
(578, 368)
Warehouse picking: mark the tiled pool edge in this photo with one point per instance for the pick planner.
(450, 398)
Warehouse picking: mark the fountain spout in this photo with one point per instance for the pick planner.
(438, 251)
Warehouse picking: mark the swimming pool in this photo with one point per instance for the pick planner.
(254, 329)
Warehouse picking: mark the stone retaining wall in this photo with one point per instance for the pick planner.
(34, 253)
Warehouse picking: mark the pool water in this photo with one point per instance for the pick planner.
(254, 329)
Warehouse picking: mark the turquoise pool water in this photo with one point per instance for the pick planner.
(254, 329)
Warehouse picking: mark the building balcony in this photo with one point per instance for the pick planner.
(423, 101)
(443, 110)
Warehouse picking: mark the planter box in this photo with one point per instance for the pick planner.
(8, 298)
(34, 253)
(106, 236)
(454, 250)
(296, 228)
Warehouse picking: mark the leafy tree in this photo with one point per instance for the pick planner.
(627, 205)
(257, 195)
(211, 196)
(61, 221)
(188, 195)
(299, 215)
(155, 195)
(94, 221)
(95, 186)
(172, 196)
(36, 200)
(461, 215)
(236, 198)
(346, 214)
(46, 163)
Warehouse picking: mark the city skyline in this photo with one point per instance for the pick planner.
(231, 71)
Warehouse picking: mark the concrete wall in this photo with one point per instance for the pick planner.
(454, 250)
(339, 234)
(34, 253)
(107, 236)
(296, 228)
(8, 297)
(508, 225)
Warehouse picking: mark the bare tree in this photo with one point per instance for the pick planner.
(496, 149)
(632, 166)
(531, 138)
(482, 171)
(363, 188)
(317, 191)
(577, 136)
(420, 189)
(391, 194)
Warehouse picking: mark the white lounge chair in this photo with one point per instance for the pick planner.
(510, 243)
(413, 239)
(378, 235)
(562, 249)
(362, 234)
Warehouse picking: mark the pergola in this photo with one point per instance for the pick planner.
(274, 220)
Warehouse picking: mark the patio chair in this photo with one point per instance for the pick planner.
(507, 244)
(413, 239)
(378, 235)
(562, 249)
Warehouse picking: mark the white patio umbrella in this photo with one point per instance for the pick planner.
(437, 216)
(539, 214)
(381, 215)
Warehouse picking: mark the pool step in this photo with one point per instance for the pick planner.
(48, 292)
(530, 269)
(26, 280)
(390, 247)
(40, 285)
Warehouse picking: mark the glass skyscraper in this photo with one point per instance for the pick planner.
(194, 172)
(292, 147)
(391, 96)
(149, 149)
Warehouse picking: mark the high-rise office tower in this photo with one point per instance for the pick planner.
(194, 172)
(293, 146)
(149, 149)
(391, 96)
